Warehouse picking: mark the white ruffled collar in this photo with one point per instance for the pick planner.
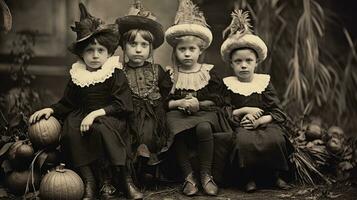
(192, 80)
(84, 78)
(257, 85)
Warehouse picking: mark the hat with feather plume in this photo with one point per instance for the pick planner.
(189, 21)
(239, 35)
(89, 26)
(139, 18)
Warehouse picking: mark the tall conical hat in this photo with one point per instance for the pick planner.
(189, 21)
(88, 26)
(239, 35)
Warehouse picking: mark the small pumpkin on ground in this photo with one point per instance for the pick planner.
(61, 184)
(17, 180)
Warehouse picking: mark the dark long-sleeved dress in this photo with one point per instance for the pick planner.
(150, 86)
(266, 146)
(109, 134)
(209, 83)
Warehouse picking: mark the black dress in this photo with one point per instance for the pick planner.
(109, 134)
(179, 122)
(150, 86)
(266, 147)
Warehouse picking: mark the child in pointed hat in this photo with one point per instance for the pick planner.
(95, 103)
(256, 114)
(191, 117)
(150, 86)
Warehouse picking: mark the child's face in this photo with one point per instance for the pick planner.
(244, 62)
(95, 55)
(187, 53)
(138, 51)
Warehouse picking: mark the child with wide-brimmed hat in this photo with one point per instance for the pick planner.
(256, 114)
(192, 118)
(95, 103)
(149, 85)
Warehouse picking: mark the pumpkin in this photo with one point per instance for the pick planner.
(20, 154)
(335, 131)
(12, 150)
(61, 184)
(334, 145)
(45, 132)
(17, 180)
(24, 151)
(314, 130)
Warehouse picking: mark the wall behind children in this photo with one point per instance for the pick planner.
(51, 19)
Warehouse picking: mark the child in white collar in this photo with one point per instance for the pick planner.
(255, 112)
(193, 93)
(95, 103)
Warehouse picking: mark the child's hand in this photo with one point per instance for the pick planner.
(47, 112)
(249, 122)
(256, 112)
(87, 122)
(194, 104)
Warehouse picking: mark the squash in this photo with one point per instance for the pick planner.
(45, 132)
(17, 180)
(335, 131)
(61, 184)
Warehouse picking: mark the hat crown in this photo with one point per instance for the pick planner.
(188, 13)
(87, 23)
(239, 25)
(138, 9)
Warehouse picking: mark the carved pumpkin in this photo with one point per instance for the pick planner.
(17, 180)
(45, 132)
(61, 184)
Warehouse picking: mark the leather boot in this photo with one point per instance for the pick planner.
(250, 186)
(208, 185)
(130, 190)
(189, 187)
(107, 191)
(89, 183)
(280, 183)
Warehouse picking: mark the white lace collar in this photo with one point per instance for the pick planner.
(84, 78)
(257, 85)
(192, 80)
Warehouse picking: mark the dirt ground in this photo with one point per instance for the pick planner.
(173, 192)
(297, 192)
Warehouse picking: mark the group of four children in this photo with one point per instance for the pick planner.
(137, 111)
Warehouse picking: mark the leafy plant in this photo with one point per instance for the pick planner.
(22, 99)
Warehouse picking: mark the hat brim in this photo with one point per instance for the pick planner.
(108, 28)
(130, 22)
(179, 30)
(244, 41)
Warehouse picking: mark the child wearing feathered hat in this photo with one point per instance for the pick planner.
(256, 114)
(95, 103)
(149, 85)
(191, 117)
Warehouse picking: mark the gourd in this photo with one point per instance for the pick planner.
(61, 184)
(17, 180)
(45, 132)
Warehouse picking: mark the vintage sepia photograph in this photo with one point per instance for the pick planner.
(178, 99)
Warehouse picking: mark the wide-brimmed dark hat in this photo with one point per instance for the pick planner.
(89, 26)
(138, 18)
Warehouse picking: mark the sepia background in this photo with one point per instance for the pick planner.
(312, 56)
